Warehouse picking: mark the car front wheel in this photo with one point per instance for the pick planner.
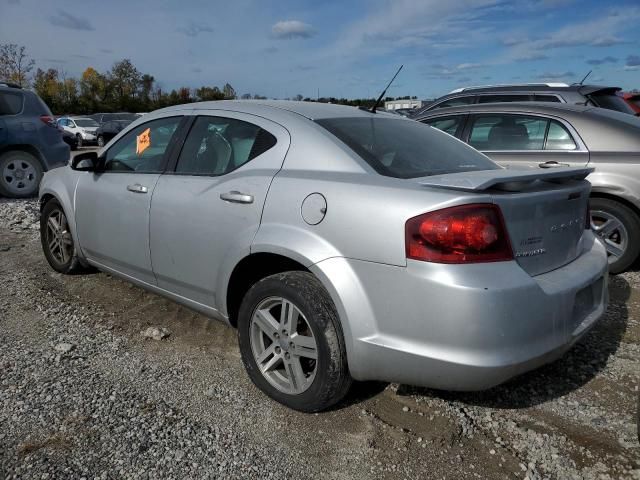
(21, 174)
(291, 342)
(619, 228)
(79, 140)
(100, 141)
(57, 242)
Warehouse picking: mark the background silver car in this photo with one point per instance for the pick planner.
(341, 243)
(534, 135)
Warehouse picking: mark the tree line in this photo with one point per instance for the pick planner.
(122, 88)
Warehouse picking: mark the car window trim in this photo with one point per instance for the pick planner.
(581, 147)
(167, 153)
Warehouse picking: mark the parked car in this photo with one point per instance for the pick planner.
(30, 143)
(84, 128)
(598, 96)
(633, 99)
(110, 129)
(534, 135)
(341, 243)
(107, 117)
(69, 138)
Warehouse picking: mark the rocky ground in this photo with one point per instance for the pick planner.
(88, 390)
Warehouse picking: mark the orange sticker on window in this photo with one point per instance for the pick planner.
(143, 141)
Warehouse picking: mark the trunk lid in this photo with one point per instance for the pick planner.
(544, 211)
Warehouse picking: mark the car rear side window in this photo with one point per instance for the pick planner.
(449, 125)
(547, 98)
(508, 132)
(218, 145)
(10, 103)
(454, 102)
(558, 138)
(502, 98)
(143, 149)
(404, 148)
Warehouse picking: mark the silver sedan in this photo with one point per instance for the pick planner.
(342, 244)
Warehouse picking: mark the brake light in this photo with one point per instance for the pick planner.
(48, 120)
(464, 234)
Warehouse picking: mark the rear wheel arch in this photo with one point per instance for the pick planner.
(250, 270)
(616, 198)
(30, 149)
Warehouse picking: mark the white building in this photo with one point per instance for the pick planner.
(397, 104)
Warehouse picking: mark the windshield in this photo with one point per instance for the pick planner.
(86, 122)
(404, 148)
(611, 102)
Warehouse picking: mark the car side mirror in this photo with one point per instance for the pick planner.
(85, 162)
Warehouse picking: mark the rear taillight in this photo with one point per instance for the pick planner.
(464, 234)
(49, 120)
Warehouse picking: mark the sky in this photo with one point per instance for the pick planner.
(341, 48)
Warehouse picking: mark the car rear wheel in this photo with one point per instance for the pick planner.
(100, 141)
(21, 174)
(291, 342)
(79, 138)
(57, 242)
(619, 228)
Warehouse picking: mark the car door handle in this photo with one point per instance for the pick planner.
(137, 188)
(552, 164)
(236, 197)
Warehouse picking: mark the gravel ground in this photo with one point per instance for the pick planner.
(89, 390)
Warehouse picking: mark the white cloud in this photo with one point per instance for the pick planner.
(288, 29)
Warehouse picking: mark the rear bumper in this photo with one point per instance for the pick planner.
(56, 155)
(463, 327)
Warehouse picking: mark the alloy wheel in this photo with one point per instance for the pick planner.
(612, 232)
(283, 345)
(20, 176)
(59, 239)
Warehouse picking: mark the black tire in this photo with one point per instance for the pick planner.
(332, 379)
(100, 141)
(30, 170)
(72, 264)
(631, 223)
(79, 140)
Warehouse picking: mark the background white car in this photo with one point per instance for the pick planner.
(83, 128)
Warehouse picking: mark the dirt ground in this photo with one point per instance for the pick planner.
(571, 419)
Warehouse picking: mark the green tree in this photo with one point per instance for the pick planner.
(15, 65)
(125, 80)
(229, 92)
(204, 94)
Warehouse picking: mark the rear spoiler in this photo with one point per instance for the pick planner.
(503, 179)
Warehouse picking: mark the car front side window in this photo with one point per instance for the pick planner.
(218, 145)
(143, 149)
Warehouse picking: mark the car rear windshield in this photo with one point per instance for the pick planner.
(86, 122)
(611, 102)
(10, 103)
(404, 148)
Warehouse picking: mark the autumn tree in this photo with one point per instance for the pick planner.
(15, 65)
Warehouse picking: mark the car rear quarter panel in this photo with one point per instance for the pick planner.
(616, 174)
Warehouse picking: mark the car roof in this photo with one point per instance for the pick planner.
(532, 107)
(310, 110)
(533, 87)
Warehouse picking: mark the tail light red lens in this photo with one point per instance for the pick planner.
(464, 234)
(49, 120)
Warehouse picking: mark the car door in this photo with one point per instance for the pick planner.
(112, 204)
(525, 140)
(205, 214)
